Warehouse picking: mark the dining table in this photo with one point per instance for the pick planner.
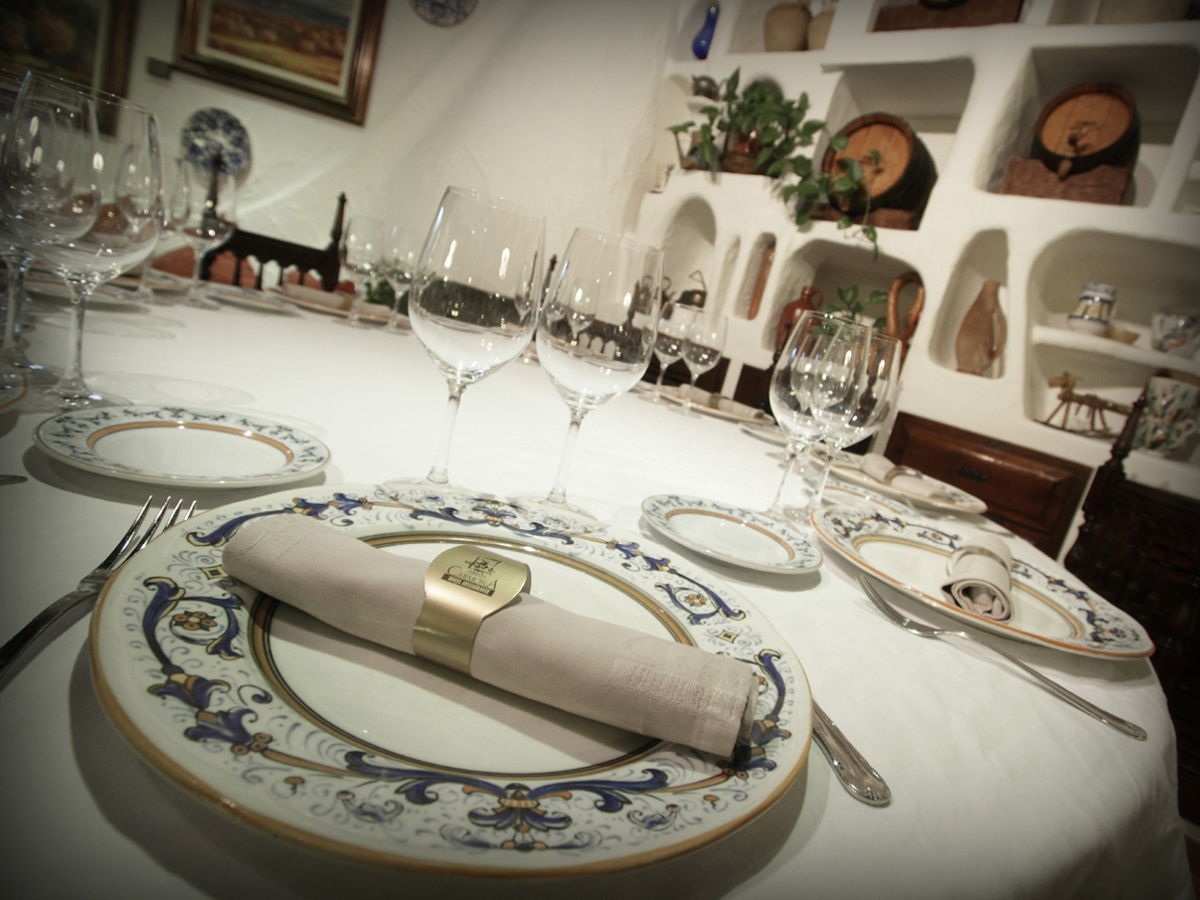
(999, 789)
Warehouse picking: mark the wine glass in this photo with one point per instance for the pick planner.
(871, 407)
(814, 374)
(597, 330)
(401, 252)
(112, 214)
(17, 257)
(702, 346)
(207, 204)
(668, 344)
(177, 197)
(474, 299)
(361, 253)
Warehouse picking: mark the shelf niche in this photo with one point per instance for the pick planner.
(931, 97)
(1160, 78)
(828, 265)
(690, 244)
(984, 259)
(757, 271)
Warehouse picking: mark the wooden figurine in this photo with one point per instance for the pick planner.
(1097, 406)
(983, 332)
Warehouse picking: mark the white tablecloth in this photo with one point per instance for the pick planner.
(1000, 789)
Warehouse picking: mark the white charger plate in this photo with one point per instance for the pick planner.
(354, 749)
(1051, 606)
(248, 298)
(760, 418)
(183, 447)
(728, 534)
(847, 467)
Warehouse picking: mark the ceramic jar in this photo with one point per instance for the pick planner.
(785, 28)
(1169, 417)
(1177, 333)
(1094, 311)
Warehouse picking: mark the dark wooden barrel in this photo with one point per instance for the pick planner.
(905, 174)
(1087, 126)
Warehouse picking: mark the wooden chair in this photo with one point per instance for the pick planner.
(246, 244)
(1139, 547)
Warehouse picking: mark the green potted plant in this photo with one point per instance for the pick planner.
(759, 131)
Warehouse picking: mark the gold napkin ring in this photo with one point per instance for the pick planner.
(463, 586)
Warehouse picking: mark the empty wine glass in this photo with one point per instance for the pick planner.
(474, 299)
(17, 257)
(702, 346)
(596, 333)
(871, 407)
(668, 344)
(112, 215)
(401, 252)
(209, 196)
(811, 384)
(362, 253)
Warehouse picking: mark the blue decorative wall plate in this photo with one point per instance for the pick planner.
(209, 131)
(354, 749)
(443, 12)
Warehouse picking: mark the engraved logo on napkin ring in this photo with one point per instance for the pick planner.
(463, 586)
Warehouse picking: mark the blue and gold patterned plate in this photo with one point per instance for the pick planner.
(198, 448)
(731, 535)
(354, 749)
(1050, 606)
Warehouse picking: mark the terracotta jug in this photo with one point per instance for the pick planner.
(791, 315)
(785, 28)
(983, 332)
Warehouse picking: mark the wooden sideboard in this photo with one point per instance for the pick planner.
(1031, 493)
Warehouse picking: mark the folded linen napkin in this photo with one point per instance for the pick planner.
(716, 401)
(980, 579)
(334, 299)
(885, 471)
(532, 648)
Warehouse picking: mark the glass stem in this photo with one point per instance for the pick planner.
(662, 371)
(688, 406)
(789, 461)
(17, 264)
(815, 502)
(558, 493)
(439, 473)
(71, 386)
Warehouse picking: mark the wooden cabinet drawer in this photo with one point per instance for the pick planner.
(1031, 493)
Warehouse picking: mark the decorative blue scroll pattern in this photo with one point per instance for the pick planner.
(1102, 628)
(194, 621)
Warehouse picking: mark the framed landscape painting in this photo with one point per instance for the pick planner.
(318, 54)
(85, 41)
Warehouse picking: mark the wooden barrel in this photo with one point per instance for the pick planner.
(1087, 126)
(905, 174)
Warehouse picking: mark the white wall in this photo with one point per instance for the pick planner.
(549, 103)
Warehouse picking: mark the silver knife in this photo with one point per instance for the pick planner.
(855, 773)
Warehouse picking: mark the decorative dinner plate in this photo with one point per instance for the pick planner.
(14, 385)
(210, 131)
(756, 417)
(1050, 606)
(183, 447)
(351, 748)
(847, 467)
(731, 535)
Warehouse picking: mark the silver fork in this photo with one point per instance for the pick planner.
(70, 608)
(917, 628)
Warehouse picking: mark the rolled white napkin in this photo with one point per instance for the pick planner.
(717, 401)
(334, 299)
(885, 471)
(979, 577)
(532, 648)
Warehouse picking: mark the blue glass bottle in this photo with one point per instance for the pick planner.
(702, 42)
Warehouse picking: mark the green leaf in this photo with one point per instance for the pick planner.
(844, 223)
(706, 151)
(881, 323)
(877, 297)
(776, 168)
(845, 185)
(769, 135)
(681, 128)
(838, 142)
(871, 235)
(875, 156)
(853, 169)
(731, 90)
(763, 155)
(848, 295)
(808, 189)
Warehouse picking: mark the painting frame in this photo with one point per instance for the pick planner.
(358, 61)
(113, 50)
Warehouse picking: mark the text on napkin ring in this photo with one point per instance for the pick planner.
(463, 586)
